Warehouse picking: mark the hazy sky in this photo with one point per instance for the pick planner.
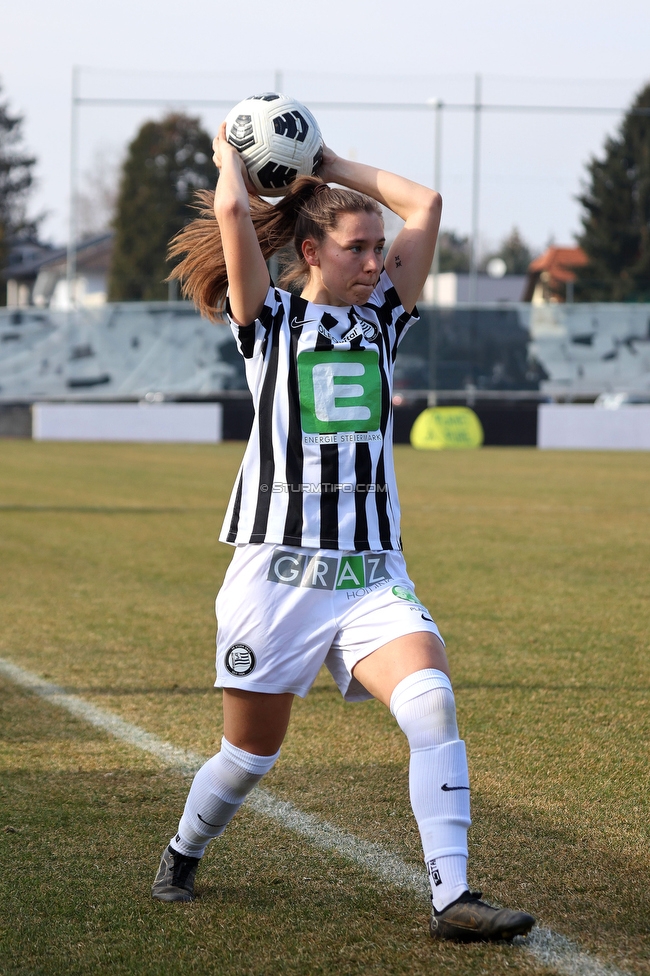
(570, 52)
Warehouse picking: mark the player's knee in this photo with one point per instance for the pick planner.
(239, 771)
(424, 707)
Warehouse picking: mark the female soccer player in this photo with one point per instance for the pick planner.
(318, 574)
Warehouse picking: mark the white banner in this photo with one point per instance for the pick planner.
(583, 426)
(181, 422)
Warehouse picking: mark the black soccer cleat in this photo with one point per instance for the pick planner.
(175, 878)
(468, 919)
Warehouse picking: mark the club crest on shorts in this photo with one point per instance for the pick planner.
(240, 660)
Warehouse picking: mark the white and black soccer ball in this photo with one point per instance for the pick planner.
(278, 138)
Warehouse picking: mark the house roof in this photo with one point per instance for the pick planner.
(25, 258)
(93, 254)
(558, 261)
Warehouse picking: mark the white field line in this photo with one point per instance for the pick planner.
(548, 948)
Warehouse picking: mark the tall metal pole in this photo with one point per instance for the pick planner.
(71, 263)
(273, 263)
(437, 183)
(476, 186)
(435, 268)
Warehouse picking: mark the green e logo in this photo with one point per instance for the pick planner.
(339, 391)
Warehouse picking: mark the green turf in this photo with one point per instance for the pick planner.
(534, 565)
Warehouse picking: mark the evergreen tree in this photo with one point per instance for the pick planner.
(166, 162)
(515, 252)
(616, 219)
(454, 252)
(16, 181)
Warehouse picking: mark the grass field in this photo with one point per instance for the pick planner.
(535, 565)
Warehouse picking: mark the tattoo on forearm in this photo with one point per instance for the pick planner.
(398, 263)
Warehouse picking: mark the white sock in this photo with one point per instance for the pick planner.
(453, 868)
(423, 704)
(217, 792)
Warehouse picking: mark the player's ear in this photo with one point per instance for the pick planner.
(310, 252)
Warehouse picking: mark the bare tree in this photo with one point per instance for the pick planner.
(97, 198)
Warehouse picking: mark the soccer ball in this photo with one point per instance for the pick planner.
(278, 138)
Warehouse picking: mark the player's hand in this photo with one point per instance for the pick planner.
(223, 150)
(329, 161)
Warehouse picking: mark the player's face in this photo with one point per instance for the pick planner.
(350, 259)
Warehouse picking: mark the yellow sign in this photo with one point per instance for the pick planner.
(442, 428)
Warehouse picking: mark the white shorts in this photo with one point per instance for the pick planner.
(283, 611)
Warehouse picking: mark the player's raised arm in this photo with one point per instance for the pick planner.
(248, 276)
(409, 259)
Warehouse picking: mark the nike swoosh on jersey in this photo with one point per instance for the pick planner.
(298, 323)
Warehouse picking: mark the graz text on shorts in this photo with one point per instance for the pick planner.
(344, 572)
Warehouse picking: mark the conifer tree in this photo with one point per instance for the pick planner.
(16, 182)
(166, 162)
(616, 218)
(515, 252)
(454, 252)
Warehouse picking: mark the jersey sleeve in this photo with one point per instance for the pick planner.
(390, 310)
(251, 338)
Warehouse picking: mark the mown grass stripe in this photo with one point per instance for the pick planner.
(549, 949)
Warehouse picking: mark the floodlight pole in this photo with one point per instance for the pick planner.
(435, 267)
(71, 262)
(437, 183)
(476, 185)
(274, 264)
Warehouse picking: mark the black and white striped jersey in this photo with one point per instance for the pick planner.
(318, 469)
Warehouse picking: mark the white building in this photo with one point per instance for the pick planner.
(449, 288)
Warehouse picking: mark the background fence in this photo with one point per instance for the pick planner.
(502, 360)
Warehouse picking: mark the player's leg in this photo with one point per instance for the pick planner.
(254, 728)
(272, 639)
(256, 722)
(411, 676)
